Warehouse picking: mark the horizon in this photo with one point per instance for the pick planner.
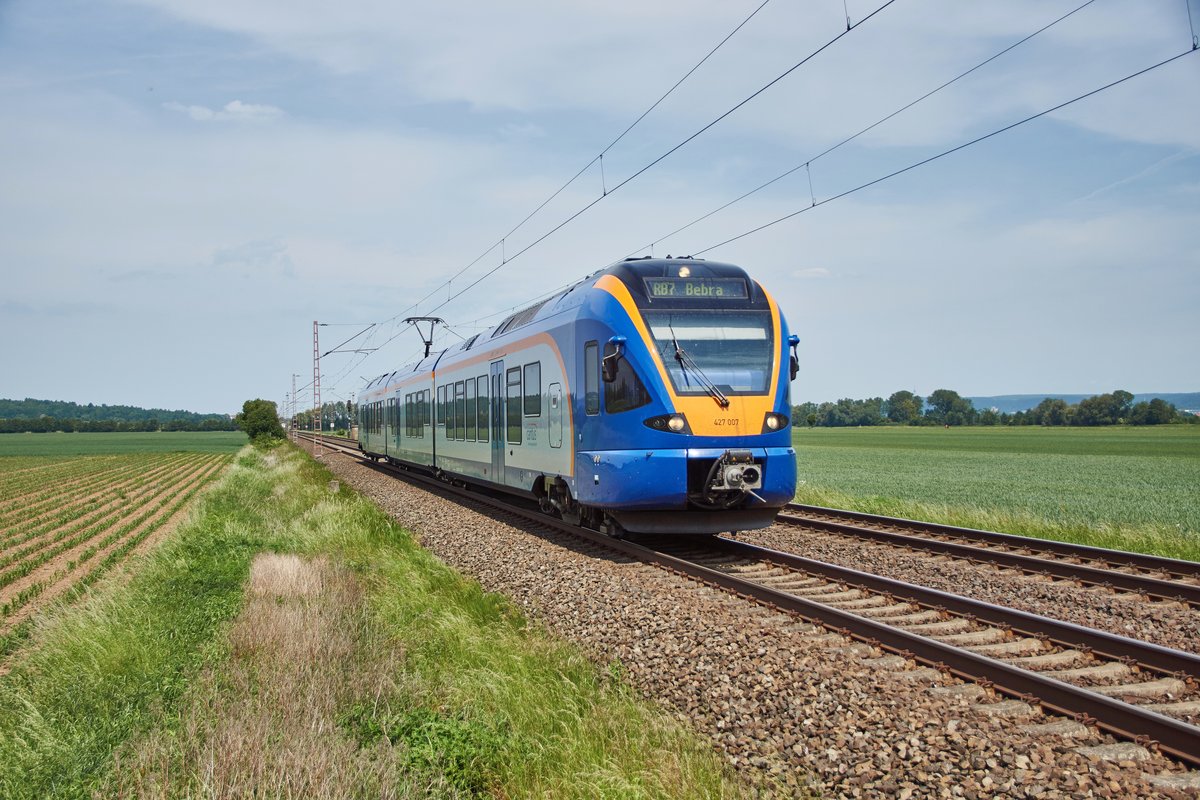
(795, 402)
(188, 186)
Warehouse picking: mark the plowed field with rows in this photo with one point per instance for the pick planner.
(65, 521)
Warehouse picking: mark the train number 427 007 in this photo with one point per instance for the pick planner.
(732, 421)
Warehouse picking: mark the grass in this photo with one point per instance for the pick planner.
(61, 445)
(1124, 488)
(384, 674)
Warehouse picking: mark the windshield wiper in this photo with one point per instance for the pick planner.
(687, 363)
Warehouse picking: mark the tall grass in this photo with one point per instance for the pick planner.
(394, 677)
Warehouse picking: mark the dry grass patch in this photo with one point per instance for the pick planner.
(266, 723)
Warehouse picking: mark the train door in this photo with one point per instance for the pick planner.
(397, 419)
(556, 412)
(498, 421)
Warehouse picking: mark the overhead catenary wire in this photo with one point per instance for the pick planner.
(807, 165)
(952, 150)
(597, 158)
(662, 157)
(508, 259)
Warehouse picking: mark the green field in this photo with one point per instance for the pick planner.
(1130, 488)
(358, 665)
(89, 444)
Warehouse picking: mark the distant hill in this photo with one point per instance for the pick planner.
(1012, 403)
(30, 408)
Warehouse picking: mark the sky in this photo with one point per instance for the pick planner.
(186, 186)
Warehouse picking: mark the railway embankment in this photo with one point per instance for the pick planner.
(785, 700)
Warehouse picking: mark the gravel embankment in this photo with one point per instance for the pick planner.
(1168, 624)
(790, 705)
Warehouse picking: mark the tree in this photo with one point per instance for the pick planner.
(947, 407)
(1155, 412)
(1103, 409)
(1051, 411)
(260, 420)
(904, 407)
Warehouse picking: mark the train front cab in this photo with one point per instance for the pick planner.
(685, 423)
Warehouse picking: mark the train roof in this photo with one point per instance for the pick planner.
(633, 272)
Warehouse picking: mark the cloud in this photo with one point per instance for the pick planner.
(235, 111)
(265, 255)
(526, 130)
(811, 272)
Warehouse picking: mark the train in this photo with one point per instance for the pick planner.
(651, 397)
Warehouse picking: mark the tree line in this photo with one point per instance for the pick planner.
(947, 407)
(334, 416)
(56, 425)
(50, 416)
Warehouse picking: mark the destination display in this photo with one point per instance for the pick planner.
(696, 288)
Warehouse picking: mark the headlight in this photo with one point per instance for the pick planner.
(669, 423)
(775, 422)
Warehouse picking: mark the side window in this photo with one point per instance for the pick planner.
(591, 378)
(441, 405)
(470, 418)
(451, 422)
(533, 389)
(483, 414)
(627, 392)
(426, 416)
(460, 411)
(512, 405)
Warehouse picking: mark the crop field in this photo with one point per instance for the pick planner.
(67, 519)
(1130, 488)
(23, 445)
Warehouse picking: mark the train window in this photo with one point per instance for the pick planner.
(460, 411)
(627, 391)
(451, 426)
(533, 389)
(591, 378)
(482, 407)
(732, 349)
(426, 417)
(470, 418)
(513, 405)
(441, 405)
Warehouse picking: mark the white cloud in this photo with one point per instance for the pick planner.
(235, 110)
(811, 272)
(526, 130)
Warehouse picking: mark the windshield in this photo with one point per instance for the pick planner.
(732, 349)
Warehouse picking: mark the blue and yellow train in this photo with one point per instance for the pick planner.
(652, 396)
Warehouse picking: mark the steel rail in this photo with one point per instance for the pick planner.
(1120, 648)
(1117, 558)
(1176, 738)
(1139, 584)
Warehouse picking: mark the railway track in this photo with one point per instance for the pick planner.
(1135, 690)
(1150, 576)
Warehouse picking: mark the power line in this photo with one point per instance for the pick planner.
(504, 261)
(660, 158)
(944, 153)
(808, 164)
(597, 158)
